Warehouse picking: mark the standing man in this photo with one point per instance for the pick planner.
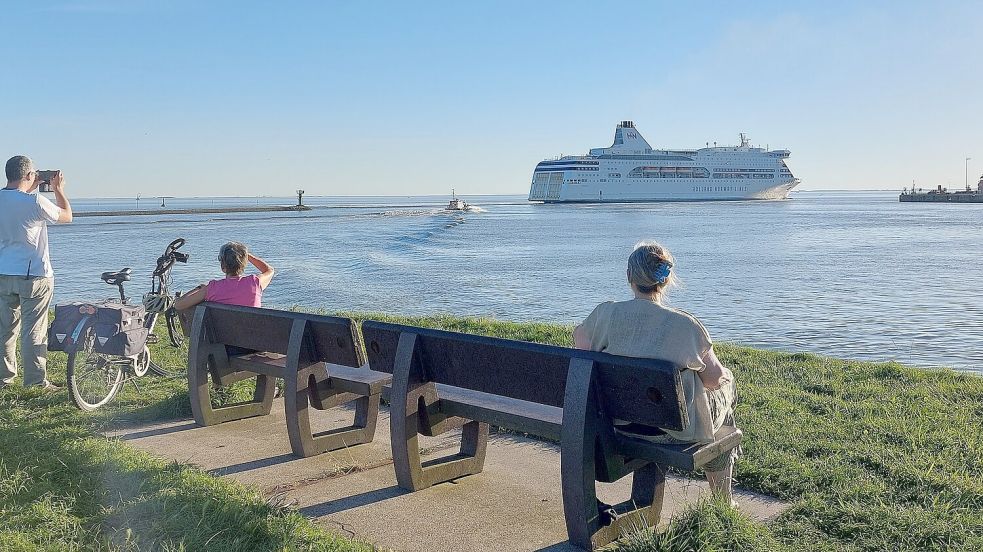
(26, 278)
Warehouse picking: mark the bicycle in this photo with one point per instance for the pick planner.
(94, 378)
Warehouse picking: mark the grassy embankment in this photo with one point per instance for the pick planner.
(873, 456)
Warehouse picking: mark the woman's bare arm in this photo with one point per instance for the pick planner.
(266, 271)
(192, 298)
(710, 376)
(580, 339)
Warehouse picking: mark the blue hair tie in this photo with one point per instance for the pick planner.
(662, 273)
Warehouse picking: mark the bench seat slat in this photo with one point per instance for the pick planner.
(686, 456)
(270, 364)
(361, 381)
(345, 378)
(524, 416)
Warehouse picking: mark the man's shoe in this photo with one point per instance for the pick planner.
(48, 386)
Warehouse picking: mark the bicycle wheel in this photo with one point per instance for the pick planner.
(93, 378)
(174, 329)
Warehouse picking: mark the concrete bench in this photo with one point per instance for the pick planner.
(444, 380)
(319, 358)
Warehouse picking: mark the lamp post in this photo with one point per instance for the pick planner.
(300, 198)
(967, 173)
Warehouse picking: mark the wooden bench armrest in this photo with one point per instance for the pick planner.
(686, 456)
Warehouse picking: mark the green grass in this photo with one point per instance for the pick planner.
(872, 456)
(63, 487)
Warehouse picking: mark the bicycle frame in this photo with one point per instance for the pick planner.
(159, 284)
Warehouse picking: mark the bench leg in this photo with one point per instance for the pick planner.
(201, 403)
(311, 388)
(410, 398)
(411, 472)
(581, 443)
(642, 511)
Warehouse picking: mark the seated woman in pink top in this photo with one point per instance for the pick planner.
(234, 289)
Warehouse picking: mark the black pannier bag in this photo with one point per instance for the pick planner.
(119, 343)
(118, 328)
(67, 319)
(116, 317)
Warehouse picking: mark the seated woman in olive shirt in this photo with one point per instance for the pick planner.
(644, 327)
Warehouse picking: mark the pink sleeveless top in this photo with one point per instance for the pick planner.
(244, 291)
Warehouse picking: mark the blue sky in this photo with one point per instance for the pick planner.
(358, 98)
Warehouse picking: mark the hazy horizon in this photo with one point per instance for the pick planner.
(392, 99)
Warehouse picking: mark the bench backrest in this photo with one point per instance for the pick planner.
(327, 338)
(644, 391)
(248, 327)
(334, 339)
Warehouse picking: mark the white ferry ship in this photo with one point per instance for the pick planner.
(630, 170)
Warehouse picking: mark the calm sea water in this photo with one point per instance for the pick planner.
(854, 275)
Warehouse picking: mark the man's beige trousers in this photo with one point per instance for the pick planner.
(24, 306)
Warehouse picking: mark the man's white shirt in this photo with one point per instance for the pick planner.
(24, 220)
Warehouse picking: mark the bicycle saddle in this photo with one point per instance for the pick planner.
(116, 278)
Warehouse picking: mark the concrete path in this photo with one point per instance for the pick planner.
(514, 504)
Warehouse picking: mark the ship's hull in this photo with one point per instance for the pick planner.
(612, 196)
(555, 188)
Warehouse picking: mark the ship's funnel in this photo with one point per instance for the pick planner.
(628, 139)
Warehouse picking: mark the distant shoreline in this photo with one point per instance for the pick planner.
(193, 211)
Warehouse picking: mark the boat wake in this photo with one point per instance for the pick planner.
(408, 213)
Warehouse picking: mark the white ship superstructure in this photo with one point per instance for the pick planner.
(630, 170)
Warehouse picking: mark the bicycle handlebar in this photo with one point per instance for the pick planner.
(170, 256)
(174, 246)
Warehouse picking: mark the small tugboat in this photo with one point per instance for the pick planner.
(457, 204)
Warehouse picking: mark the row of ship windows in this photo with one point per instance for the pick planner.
(720, 188)
(708, 188)
(742, 175)
(681, 172)
(739, 176)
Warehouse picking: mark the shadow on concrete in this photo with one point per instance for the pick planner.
(157, 431)
(564, 546)
(351, 502)
(253, 464)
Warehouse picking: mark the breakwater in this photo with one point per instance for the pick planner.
(194, 211)
(941, 197)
